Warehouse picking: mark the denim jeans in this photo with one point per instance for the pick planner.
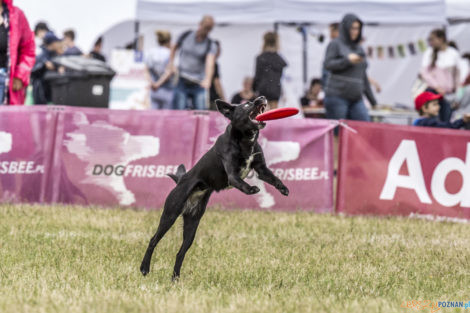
(339, 108)
(3, 77)
(185, 91)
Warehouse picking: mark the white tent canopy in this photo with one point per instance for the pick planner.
(458, 9)
(90, 18)
(270, 11)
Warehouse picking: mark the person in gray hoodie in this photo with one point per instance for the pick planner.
(347, 81)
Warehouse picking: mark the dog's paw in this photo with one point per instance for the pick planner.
(175, 277)
(252, 190)
(283, 190)
(144, 269)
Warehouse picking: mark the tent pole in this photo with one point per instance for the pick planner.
(303, 31)
(136, 34)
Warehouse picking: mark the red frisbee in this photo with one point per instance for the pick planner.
(277, 114)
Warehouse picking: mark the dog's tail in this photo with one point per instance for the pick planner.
(180, 171)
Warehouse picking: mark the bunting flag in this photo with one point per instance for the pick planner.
(401, 51)
(380, 52)
(422, 45)
(396, 51)
(412, 48)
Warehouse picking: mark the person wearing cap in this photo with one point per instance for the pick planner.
(16, 53)
(427, 104)
(52, 48)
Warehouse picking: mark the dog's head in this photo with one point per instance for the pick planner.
(243, 116)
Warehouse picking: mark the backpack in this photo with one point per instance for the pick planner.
(185, 35)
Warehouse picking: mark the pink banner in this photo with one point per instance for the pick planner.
(391, 169)
(299, 152)
(121, 158)
(26, 142)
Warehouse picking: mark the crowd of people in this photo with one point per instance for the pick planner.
(195, 82)
(48, 47)
(340, 90)
(25, 56)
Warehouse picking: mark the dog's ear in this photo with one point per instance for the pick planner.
(225, 108)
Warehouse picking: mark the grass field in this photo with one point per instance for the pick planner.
(72, 259)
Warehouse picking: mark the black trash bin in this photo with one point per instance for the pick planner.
(84, 83)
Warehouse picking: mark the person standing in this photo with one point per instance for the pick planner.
(69, 42)
(440, 70)
(40, 31)
(156, 61)
(41, 89)
(16, 53)
(95, 53)
(268, 72)
(196, 66)
(334, 33)
(216, 91)
(347, 81)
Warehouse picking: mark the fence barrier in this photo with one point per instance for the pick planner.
(120, 158)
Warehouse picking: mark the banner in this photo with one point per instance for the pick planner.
(299, 152)
(26, 143)
(120, 158)
(399, 170)
(106, 157)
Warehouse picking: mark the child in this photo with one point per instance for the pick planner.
(427, 104)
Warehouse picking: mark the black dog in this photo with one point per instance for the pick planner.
(225, 165)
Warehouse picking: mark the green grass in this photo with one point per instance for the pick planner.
(74, 259)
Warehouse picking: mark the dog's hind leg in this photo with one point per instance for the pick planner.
(191, 223)
(171, 211)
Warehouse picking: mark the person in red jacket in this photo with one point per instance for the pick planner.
(17, 53)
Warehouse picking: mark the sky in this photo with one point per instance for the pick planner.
(89, 18)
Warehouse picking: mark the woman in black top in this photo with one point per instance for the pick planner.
(269, 67)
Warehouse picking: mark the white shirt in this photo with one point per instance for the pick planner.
(157, 59)
(447, 58)
(38, 42)
(443, 75)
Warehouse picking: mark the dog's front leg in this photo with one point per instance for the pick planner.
(265, 174)
(235, 180)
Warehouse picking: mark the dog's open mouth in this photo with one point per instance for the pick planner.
(257, 111)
